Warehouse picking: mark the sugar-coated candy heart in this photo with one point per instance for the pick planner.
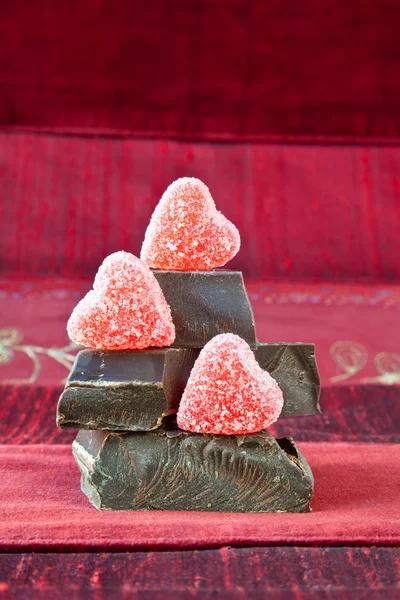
(186, 232)
(228, 392)
(125, 310)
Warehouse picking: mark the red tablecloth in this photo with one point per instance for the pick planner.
(355, 502)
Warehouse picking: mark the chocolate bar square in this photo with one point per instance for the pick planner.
(176, 470)
(119, 391)
(206, 303)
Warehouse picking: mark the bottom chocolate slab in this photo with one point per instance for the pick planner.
(175, 470)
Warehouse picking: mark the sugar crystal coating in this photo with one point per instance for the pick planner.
(228, 392)
(186, 232)
(125, 310)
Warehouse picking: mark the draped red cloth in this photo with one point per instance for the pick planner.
(355, 502)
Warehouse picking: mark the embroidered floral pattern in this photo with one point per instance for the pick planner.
(388, 366)
(10, 338)
(352, 357)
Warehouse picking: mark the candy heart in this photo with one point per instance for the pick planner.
(228, 392)
(125, 310)
(186, 232)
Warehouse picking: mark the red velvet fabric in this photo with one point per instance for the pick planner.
(311, 213)
(355, 503)
(226, 69)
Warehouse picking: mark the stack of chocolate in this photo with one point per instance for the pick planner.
(174, 393)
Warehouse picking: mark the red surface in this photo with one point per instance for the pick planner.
(202, 68)
(284, 572)
(355, 503)
(311, 213)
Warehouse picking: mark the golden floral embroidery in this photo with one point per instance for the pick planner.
(388, 366)
(352, 357)
(10, 339)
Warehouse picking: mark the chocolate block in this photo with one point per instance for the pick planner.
(206, 303)
(295, 369)
(133, 390)
(119, 391)
(175, 470)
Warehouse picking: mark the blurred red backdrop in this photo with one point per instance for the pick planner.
(229, 69)
(254, 74)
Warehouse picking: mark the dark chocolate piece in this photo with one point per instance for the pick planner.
(175, 470)
(122, 391)
(206, 303)
(133, 390)
(295, 369)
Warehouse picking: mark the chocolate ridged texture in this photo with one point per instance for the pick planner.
(120, 391)
(206, 303)
(175, 470)
(133, 390)
(294, 368)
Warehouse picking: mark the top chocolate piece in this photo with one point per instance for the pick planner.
(206, 303)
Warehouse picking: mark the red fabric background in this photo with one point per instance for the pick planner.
(355, 328)
(355, 502)
(226, 69)
(287, 573)
(305, 212)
